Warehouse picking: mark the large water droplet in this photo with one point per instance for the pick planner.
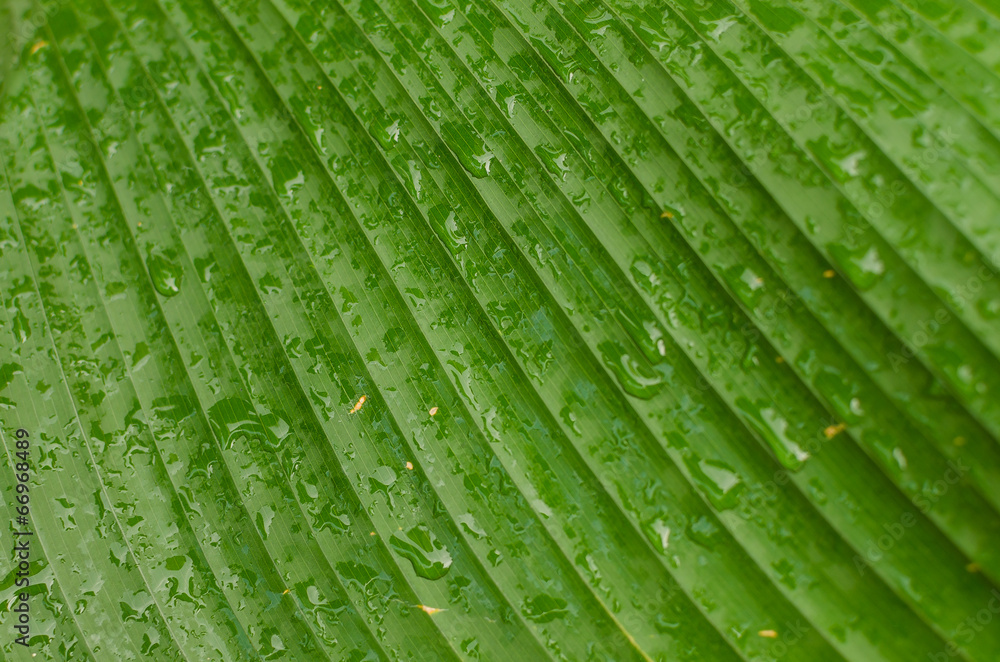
(429, 556)
(720, 482)
(769, 424)
(22, 330)
(439, 12)
(468, 147)
(445, 223)
(635, 376)
(165, 274)
(386, 131)
(658, 533)
(381, 480)
(862, 266)
(745, 284)
(703, 531)
(646, 331)
(544, 608)
(554, 160)
(7, 372)
(232, 417)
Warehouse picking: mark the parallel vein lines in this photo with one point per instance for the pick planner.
(86, 441)
(345, 209)
(256, 303)
(202, 412)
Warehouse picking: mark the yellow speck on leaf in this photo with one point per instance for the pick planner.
(429, 610)
(959, 441)
(770, 634)
(372, 533)
(409, 465)
(357, 405)
(973, 567)
(833, 430)
(74, 226)
(433, 411)
(139, 224)
(287, 591)
(666, 214)
(829, 273)
(39, 45)
(779, 359)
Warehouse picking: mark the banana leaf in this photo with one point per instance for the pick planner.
(500, 330)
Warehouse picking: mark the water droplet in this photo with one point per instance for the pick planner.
(635, 376)
(989, 308)
(720, 482)
(769, 424)
(554, 160)
(645, 331)
(429, 556)
(165, 274)
(386, 132)
(382, 479)
(445, 223)
(471, 526)
(7, 372)
(264, 518)
(323, 516)
(269, 283)
(507, 97)
(561, 62)
(862, 266)
(839, 393)
(468, 147)
(22, 330)
(413, 180)
(745, 284)
(702, 531)
(544, 608)
(658, 533)
(897, 454)
(140, 356)
(232, 417)
(440, 12)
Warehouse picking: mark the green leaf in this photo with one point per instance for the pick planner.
(603, 330)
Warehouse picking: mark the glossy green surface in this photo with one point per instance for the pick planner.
(424, 330)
